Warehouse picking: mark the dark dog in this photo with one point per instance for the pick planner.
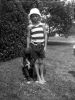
(28, 70)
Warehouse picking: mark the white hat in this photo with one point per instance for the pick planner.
(34, 11)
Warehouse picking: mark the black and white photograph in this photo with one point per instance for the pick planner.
(37, 50)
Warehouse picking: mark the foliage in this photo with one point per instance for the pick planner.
(61, 18)
(13, 30)
(28, 4)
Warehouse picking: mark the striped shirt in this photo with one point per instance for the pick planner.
(37, 34)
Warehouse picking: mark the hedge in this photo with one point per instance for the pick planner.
(13, 24)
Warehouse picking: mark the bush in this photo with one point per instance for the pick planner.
(61, 18)
(60, 21)
(13, 31)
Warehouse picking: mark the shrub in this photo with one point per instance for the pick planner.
(13, 31)
(60, 21)
(61, 18)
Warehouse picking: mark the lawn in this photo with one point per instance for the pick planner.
(60, 77)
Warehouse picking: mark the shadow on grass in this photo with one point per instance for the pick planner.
(72, 73)
(59, 44)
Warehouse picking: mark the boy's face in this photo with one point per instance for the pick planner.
(35, 18)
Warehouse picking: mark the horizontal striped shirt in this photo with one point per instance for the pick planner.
(37, 34)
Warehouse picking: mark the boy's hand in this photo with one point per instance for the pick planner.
(45, 49)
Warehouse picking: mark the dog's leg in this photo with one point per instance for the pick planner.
(26, 73)
(28, 63)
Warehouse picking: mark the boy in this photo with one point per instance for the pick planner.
(37, 40)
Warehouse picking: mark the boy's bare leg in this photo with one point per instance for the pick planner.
(37, 72)
(42, 71)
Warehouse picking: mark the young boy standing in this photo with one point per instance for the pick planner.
(37, 40)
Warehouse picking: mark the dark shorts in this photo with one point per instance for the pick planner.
(38, 51)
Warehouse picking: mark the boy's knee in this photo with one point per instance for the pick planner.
(36, 62)
(41, 61)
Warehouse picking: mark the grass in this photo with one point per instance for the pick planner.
(60, 83)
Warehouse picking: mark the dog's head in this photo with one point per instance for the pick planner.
(27, 53)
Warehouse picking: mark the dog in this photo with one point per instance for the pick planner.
(28, 68)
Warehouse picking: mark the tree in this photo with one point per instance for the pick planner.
(60, 21)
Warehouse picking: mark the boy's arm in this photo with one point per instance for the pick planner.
(45, 32)
(28, 37)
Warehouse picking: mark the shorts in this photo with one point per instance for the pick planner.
(38, 51)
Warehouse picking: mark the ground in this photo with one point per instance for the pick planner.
(60, 77)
